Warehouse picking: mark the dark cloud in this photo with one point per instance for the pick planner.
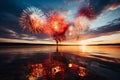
(112, 27)
(8, 33)
(100, 5)
(5, 16)
(9, 20)
(27, 37)
(71, 1)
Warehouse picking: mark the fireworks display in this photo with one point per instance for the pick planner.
(32, 19)
(54, 24)
(83, 19)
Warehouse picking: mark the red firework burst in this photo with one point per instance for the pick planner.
(56, 24)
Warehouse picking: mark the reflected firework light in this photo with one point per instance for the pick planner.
(56, 26)
(70, 65)
(82, 71)
(56, 70)
(32, 19)
(36, 71)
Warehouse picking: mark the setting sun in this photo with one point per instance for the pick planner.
(83, 43)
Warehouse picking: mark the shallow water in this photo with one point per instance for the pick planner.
(62, 63)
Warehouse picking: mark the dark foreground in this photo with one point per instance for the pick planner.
(64, 63)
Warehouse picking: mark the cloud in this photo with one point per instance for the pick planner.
(103, 39)
(7, 40)
(113, 7)
(8, 18)
(10, 21)
(27, 37)
(112, 27)
(9, 33)
(71, 1)
(5, 32)
(100, 5)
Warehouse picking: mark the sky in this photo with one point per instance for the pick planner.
(98, 19)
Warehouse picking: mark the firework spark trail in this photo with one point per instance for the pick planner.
(87, 12)
(83, 19)
(32, 19)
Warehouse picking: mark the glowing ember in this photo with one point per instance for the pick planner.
(70, 65)
(82, 72)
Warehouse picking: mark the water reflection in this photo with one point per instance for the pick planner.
(64, 63)
(56, 67)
